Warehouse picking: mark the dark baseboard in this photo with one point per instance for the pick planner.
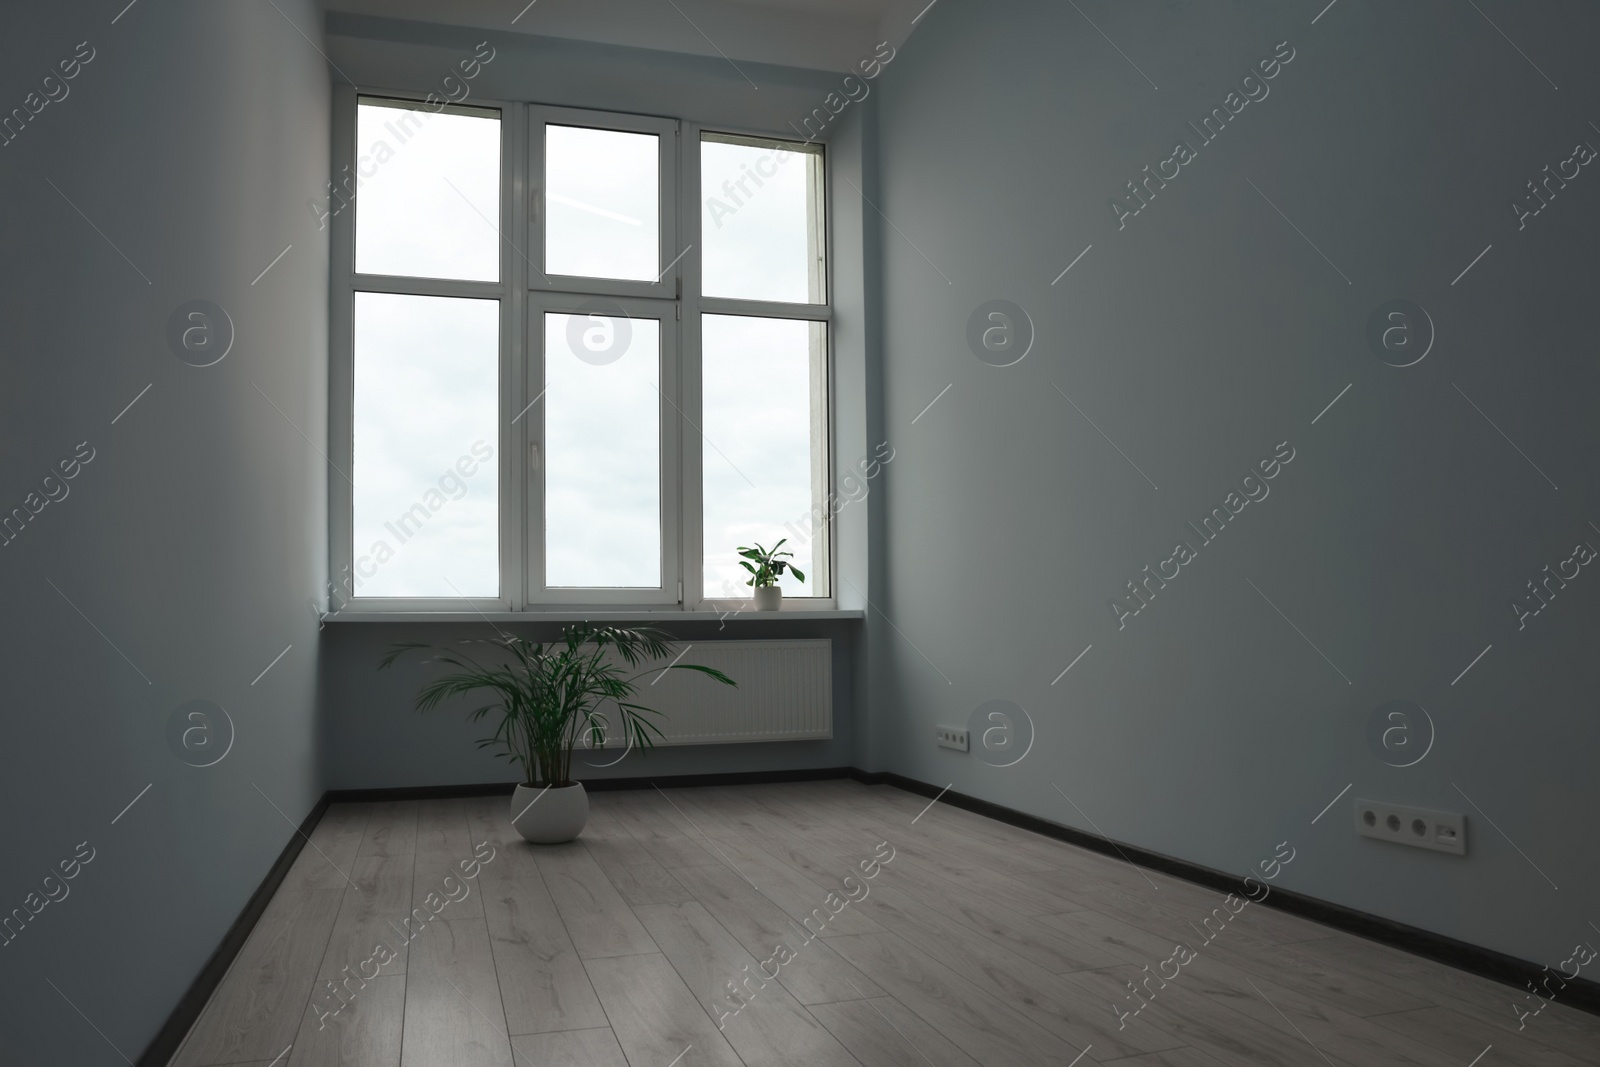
(418, 792)
(1580, 993)
(165, 1044)
(593, 785)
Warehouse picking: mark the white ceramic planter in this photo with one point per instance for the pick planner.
(768, 598)
(549, 816)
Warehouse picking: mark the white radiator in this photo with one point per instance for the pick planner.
(785, 693)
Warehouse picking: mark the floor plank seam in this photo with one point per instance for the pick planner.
(954, 956)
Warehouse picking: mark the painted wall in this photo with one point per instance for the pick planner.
(174, 564)
(384, 53)
(374, 739)
(1206, 327)
(828, 38)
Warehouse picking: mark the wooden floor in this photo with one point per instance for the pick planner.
(977, 943)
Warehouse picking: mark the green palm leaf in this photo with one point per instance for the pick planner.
(548, 696)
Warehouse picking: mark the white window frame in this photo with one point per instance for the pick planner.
(532, 429)
(345, 282)
(525, 292)
(696, 304)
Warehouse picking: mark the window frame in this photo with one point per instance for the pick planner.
(537, 593)
(525, 292)
(668, 246)
(345, 283)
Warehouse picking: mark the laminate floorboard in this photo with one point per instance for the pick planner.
(1464, 1036)
(598, 920)
(373, 913)
(1045, 998)
(391, 830)
(644, 815)
(758, 1016)
(816, 974)
(453, 1012)
(571, 1048)
(1178, 1057)
(367, 1032)
(542, 981)
(330, 850)
(978, 944)
(255, 1012)
(1340, 1033)
(882, 1032)
(1464, 994)
(1215, 1029)
(630, 866)
(443, 844)
(655, 1016)
(981, 1024)
(799, 890)
(1025, 935)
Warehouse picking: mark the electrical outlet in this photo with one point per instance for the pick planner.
(951, 737)
(1441, 831)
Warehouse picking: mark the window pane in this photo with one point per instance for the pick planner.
(765, 452)
(602, 407)
(602, 203)
(429, 203)
(761, 220)
(427, 486)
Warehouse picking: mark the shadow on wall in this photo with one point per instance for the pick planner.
(373, 738)
(1383, 278)
(164, 510)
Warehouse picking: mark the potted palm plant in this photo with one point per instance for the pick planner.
(549, 696)
(766, 566)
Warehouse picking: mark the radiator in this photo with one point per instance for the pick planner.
(785, 693)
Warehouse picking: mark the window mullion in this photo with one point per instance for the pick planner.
(691, 447)
(716, 305)
(514, 365)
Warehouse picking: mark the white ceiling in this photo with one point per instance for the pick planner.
(821, 34)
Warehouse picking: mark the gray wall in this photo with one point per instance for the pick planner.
(190, 542)
(1197, 338)
(380, 53)
(374, 739)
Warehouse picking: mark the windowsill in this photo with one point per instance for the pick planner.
(787, 614)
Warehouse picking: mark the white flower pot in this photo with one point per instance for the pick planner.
(768, 598)
(549, 816)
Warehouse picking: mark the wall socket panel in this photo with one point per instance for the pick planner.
(1441, 831)
(951, 737)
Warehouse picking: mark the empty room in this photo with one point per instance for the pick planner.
(799, 533)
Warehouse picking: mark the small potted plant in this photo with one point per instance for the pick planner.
(549, 696)
(766, 567)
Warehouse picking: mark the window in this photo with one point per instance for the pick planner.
(589, 394)
(425, 374)
(764, 402)
(763, 360)
(425, 353)
(602, 191)
(762, 225)
(602, 434)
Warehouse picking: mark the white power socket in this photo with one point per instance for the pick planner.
(1441, 831)
(952, 737)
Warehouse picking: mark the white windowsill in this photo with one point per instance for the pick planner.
(787, 614)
